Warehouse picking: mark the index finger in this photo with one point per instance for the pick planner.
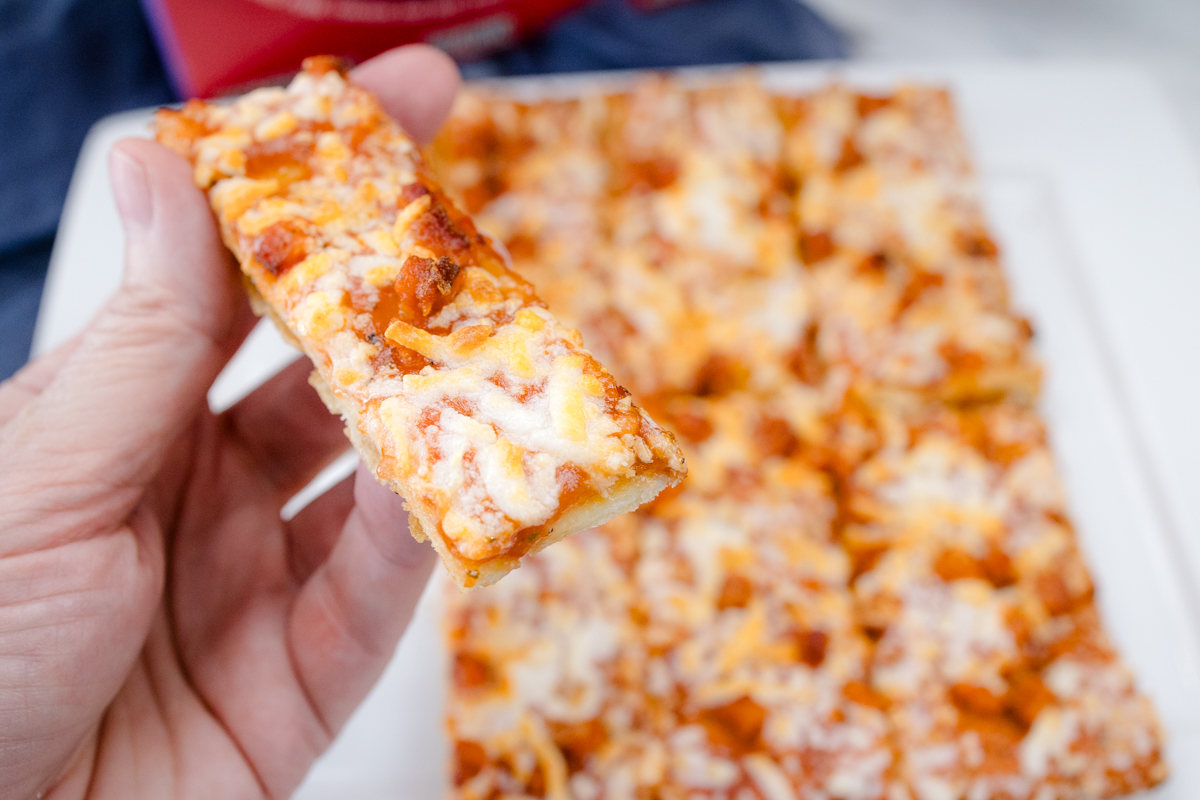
(416, 84)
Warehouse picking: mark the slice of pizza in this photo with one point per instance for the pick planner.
(464, 394)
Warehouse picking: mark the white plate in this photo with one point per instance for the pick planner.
(1057, 195)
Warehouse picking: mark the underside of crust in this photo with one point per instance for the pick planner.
(627, 495)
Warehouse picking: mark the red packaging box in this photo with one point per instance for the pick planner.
(213, 47)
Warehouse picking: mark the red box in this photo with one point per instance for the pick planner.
(217, 46)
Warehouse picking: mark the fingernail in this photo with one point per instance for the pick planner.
(131, 190)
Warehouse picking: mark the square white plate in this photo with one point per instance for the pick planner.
(1049, 191)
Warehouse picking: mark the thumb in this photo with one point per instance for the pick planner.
(100, 430)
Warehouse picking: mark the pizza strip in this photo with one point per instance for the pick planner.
(458, 387)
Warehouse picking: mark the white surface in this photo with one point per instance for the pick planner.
(1095, 198)
(1161, 35)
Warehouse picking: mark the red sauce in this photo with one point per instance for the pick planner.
(572, 485)
(774, 437)
(961, 359)
(999, 568)
(1057, 596)
(812, 646)
(849, 158)
(804, 361)
(383, 313)
(530, 391)
(480, 194)
(656, 173)
(281, 246)
(361, 131)
(404, 360)
(868, 105)
(473, 671)
(693, 427)
(578, 741)
(920, 282)
(386, 309)
(423, 287)
(521, 247)
(573, 489)
(439, 232)
(999, 738)
(284, 163)
(536, 785)
(467, 409)
(736, 727)
(1027, 696)
(319, 65)
(874, 264)
(178, 130)
(815, 247)
(976, 699)
(735, 592)
(720, 375)
(953, 564)
(410, 192)
(469, 760)
(864, 695)
(978, 245)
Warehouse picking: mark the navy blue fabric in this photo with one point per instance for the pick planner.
(609, 34)
(67, 63)
(22, 273)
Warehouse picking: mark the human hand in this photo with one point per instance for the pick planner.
(163, 632)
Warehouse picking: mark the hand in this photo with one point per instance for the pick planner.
(163, 633)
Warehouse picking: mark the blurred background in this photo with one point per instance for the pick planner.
(68, 63)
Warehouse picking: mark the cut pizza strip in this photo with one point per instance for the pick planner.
(464, 394)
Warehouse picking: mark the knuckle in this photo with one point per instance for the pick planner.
(146, 312)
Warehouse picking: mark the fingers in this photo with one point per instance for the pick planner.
(416, 84)
(31, 380)
(348, 617)
(101, 427)
(312, 534)
(286, 429)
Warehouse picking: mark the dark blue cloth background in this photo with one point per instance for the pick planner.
(609, 34)
(67, 63)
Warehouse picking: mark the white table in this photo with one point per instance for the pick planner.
(1096, 201)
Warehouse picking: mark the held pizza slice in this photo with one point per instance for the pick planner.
(464, 394)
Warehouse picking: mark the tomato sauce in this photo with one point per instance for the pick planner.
(284, 164)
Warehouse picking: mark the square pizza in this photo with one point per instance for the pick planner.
(869, 587)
